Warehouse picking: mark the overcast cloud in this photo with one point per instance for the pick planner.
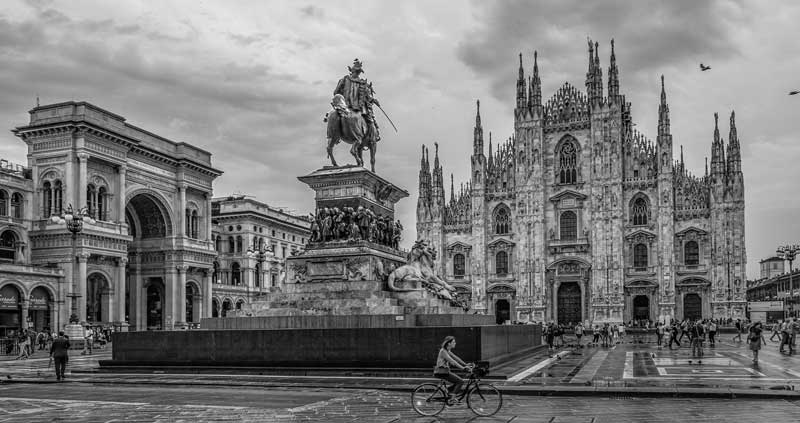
(250, 81)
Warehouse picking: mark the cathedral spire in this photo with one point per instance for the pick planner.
(536, 83)
(717, 151)
(590, 72)
(706, 166)
(452, 190)
(734, 152)
(663, 112)
(477, 136)
(491, 156)
(521, 98)
(613, 75)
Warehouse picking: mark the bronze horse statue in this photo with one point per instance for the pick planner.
(350, 127)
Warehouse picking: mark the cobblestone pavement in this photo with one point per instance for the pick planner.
(91, 403)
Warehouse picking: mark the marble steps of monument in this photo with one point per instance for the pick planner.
(335, 286)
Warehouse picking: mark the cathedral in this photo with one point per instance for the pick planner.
(579, 217)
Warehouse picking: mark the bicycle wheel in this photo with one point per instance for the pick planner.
(428, 399)
(484, 400)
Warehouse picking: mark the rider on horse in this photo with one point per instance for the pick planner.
(357, 95)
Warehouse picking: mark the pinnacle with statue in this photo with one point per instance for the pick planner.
(352, 119)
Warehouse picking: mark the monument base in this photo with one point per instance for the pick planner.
(342, 279)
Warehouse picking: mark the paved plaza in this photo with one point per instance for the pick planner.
(92, 403)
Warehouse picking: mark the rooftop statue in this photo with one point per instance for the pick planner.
(352, 120)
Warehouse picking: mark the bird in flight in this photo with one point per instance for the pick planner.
(794, 92)
(704, 68)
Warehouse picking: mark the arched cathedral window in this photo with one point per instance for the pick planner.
(568, 163)
(502, 221)
(568, 225)
(458, 266)
(3, 203)
(501, 263)
(640, 256)
(16, 205)
(639, 212)
(691, 253)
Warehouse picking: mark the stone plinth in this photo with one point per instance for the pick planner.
(353, 186)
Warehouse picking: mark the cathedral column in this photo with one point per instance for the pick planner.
(180, 300)
(123, 169)
(83, 159)
(25, 303)
(137, 311)
(80, 285)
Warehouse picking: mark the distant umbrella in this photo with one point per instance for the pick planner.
(704, 68)
(794, 92)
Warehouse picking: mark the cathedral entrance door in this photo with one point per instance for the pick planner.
(641, 307)
(502, 311)
(569, 303)
(692, 307)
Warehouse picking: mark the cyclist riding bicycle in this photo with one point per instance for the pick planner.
(444, 360)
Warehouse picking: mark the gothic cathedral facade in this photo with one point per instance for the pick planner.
(579, 217)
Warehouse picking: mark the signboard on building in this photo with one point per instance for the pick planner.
(765, 306)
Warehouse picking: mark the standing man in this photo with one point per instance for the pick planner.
(712, 332)
(59, 354)
(88, 340)
(738, 331)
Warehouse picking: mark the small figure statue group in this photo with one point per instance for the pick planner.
(348, 224)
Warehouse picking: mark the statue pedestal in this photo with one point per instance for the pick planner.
(353, 186)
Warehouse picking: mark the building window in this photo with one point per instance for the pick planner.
(239, 244)
(215, 273)
(459, 263)
(502, 221)
(8, 249)
(3, 203)
(691, 254)
(639, 212)
(218, 244)
(57, 197)
(273, 280)
(194, 227)
(640, 256)
(284, 251)
(293, 239)
(236, 274)
(231, 244)
(258, 275)
(567, 163)
(273, 232)
(501, 263)
(16, 205)
(283, 234)
(568, 224)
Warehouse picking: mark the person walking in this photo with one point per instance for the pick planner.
(754, 338)
(674, 336)
(23, 341)
(550, 336)
(785, 336)
(776, 331)
(579, 333)
(660, 334)
(738, 331)
(595, 335)
(697, 335)
(712, 333)
(59, 352)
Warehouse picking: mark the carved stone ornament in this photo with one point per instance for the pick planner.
(300, 271)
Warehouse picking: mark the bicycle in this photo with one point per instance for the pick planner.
(429, 399)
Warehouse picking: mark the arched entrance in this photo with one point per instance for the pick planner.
(148, 221)
(226, 307)
(155, 304)
(214, 308)
(502, 311)
(10, 310)
(192, 303)
(641, 307)
(39, 309)
(569, 303)
(692, 306)
(97, 298)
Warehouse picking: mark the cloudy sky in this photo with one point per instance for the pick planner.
(250, 81)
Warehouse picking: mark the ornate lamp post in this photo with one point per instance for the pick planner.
(789, 252)
(74, 222)
(261, 255)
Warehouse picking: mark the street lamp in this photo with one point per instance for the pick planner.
(74, 222)
(261, 255)
(789, 252)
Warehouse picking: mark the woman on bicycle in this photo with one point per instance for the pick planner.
(447, 358)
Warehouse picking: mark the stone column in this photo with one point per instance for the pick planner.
(170, 296)
(123, 170)
(24, 318)
(119, 291)
(180, 301)
(207, 294)
(83, 159)
(182, 208)
(208, 197)
(80, 285)
(137, 312)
